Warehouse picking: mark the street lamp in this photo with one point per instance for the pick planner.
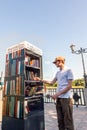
(80, 51)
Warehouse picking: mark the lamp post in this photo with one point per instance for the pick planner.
(80, 51)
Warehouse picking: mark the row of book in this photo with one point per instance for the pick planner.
(28, 59)
(14, 87)
(15, 54)
(30, 75)
(34, 90)
(14, 67)
(32, 61)
(30, 91)
(13, 107)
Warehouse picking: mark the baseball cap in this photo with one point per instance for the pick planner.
(60, 58)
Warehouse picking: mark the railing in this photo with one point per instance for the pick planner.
(79, 91)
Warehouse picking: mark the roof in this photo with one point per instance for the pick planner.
(23, 45)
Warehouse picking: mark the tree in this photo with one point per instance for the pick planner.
(78, 82)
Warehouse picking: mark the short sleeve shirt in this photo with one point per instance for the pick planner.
(62, 77)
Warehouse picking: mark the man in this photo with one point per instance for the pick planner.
(63, 95)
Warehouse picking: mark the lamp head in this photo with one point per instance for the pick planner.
(72, 46)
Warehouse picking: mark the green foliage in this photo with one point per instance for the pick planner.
(78, 82)
(54, 85)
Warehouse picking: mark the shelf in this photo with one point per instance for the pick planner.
(32, 67)
(32, 82)
(33, 97)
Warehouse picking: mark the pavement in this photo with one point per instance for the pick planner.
(79, 115)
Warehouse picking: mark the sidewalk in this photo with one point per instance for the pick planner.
(80, 117)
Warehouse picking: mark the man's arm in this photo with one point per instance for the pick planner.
(46, 81)
(49, 82)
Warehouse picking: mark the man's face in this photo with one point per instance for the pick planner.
(58, 63)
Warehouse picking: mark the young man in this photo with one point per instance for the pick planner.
(63, 95)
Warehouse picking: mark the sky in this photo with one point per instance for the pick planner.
(51, 25)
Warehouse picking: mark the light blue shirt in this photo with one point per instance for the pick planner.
(62, 77)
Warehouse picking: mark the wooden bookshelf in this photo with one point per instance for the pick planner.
(23, 96)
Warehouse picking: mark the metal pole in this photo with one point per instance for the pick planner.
(81, 51)
(84, 72)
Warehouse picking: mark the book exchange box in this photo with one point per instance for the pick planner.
(23, 102)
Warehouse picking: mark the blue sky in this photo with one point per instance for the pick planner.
(51, 25)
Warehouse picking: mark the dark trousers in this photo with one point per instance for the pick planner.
(64, 107)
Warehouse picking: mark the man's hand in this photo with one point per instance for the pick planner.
(55, 96)
(37, 79)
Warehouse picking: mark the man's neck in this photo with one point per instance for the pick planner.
(62, 67)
